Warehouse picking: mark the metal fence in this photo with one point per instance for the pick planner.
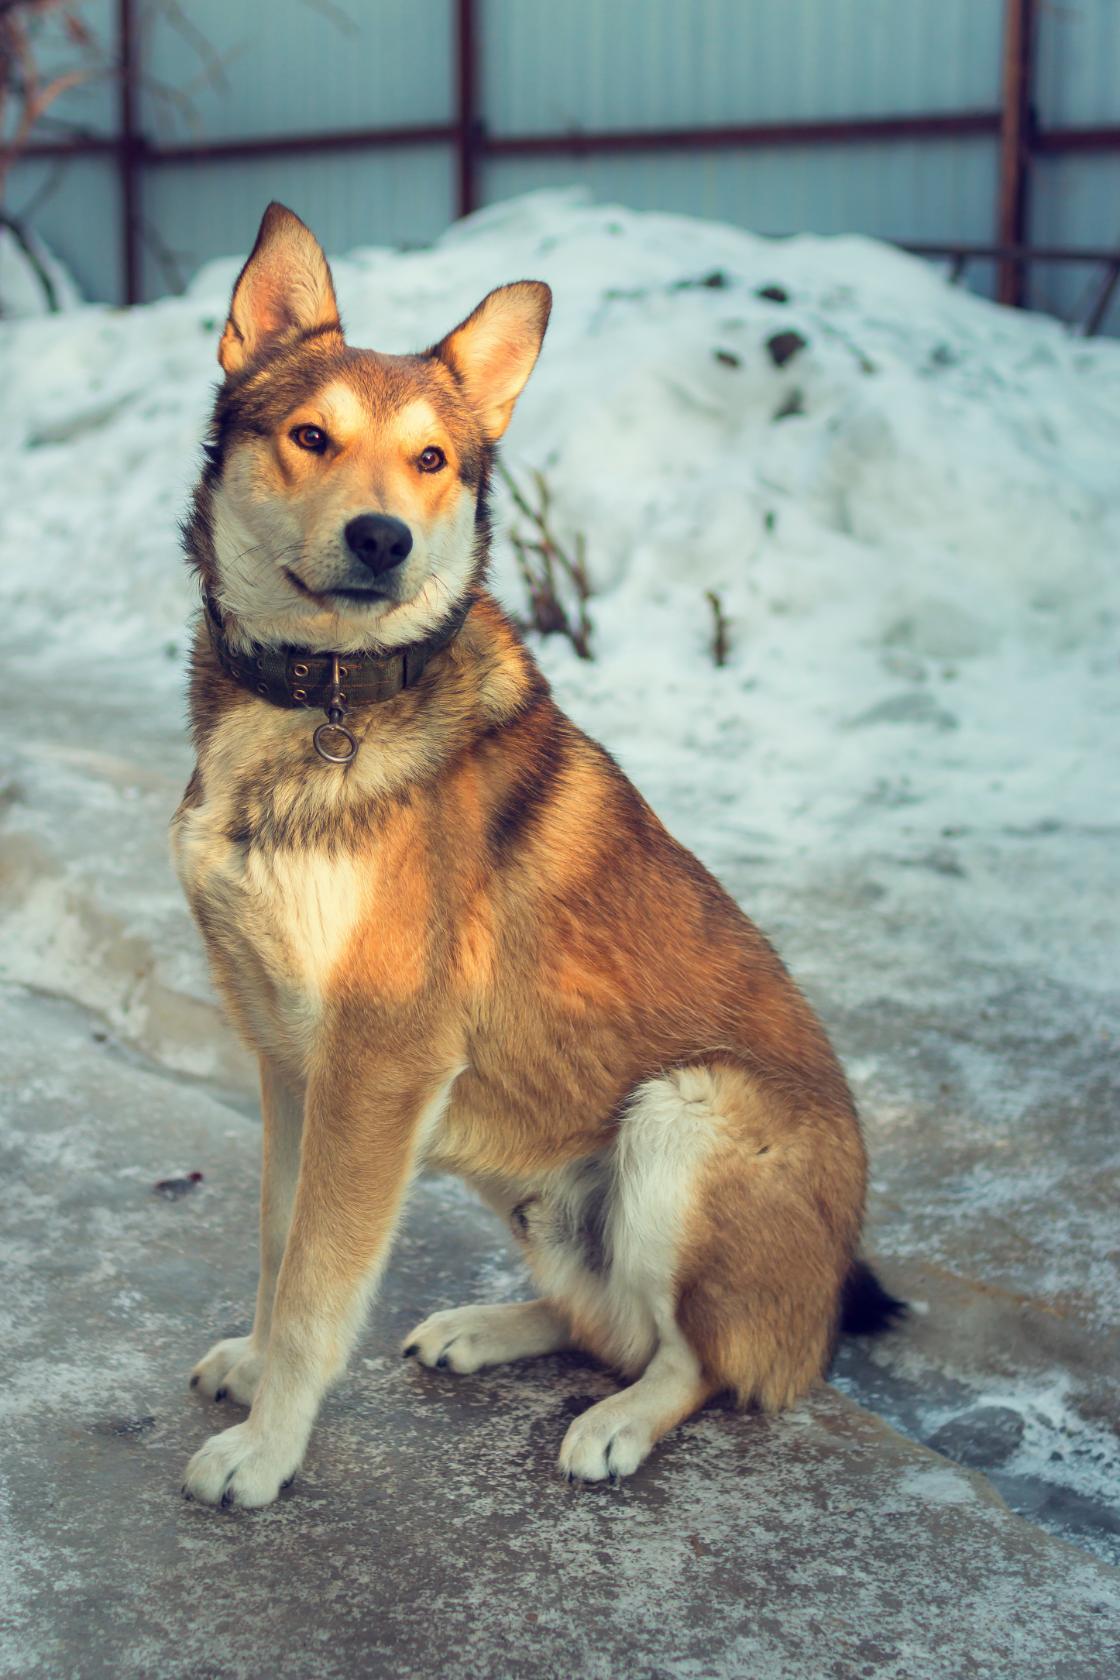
(986, 132)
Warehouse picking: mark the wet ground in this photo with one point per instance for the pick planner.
(428, 1532)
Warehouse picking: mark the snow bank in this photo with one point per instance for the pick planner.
(905, 498)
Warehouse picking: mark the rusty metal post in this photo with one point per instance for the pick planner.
(128, 152)
(1014, 145)
(466, 112)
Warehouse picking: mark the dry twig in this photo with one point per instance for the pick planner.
(721, 629)
(556, 581)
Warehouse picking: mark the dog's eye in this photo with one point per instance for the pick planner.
(432, 459)
(310, 437)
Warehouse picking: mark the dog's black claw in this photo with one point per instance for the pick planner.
(220, 1393)
(614, 1479)
(410, 1351)
(187, 1494)
(228, 1501)
(289, 1482)
(443, 1362)
(194, 1380)
(569, 1478)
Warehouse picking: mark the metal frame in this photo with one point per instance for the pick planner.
(1013, 124)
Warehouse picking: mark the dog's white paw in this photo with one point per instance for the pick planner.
(465, 1339)
(240, 1467)
(604, 1443)
(230, 1371)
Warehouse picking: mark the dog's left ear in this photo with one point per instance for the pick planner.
(493, 351)
(284, 287)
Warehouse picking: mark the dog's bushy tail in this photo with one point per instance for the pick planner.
(866, 1308)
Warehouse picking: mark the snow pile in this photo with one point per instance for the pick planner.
(905, 498)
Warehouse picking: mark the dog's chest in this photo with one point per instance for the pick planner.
(278, 922)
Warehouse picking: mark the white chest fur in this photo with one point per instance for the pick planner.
(277, 921)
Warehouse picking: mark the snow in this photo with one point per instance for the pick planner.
(907, 769)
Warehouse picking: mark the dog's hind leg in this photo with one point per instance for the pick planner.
(232, 1368)
(467, 1338)
(732, 1213)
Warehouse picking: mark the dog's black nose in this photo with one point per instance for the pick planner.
(378, 541)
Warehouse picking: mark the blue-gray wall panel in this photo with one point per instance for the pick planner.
(288, 66)
(908, 190)
(350, 198)
(658, 63)
(1078, 57)
(78, 215)
(91, 107)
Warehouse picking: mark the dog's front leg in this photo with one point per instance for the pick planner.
(361, 1127)
(232, 1368)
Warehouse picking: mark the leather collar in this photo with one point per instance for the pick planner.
(332, 682)
(292, 676)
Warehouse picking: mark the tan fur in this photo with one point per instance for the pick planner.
(477, 947)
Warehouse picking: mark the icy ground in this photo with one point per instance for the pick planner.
(908, 505)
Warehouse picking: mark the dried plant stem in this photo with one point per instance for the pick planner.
(556, 581)
(721, 629)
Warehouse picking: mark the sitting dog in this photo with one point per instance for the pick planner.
(457, 937)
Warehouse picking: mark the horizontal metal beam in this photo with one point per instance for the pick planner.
(828, 131)
(263, 145)
(1103, 139)
(945, 125)
(1009, 253)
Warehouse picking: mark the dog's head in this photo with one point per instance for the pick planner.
(344, 504)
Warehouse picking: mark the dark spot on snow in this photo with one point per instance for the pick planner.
(906, 708)
(728, 358)
(716, 281)
(172, 1188)
(769, 519)
(784, 346)
(942, 356)
(125, 1426)
(941, 859)
(792, 406)
(773, 294)
(99, 1036)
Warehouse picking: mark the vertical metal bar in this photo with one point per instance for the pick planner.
(128, 152)
(466, 112)
(1099, 309)
(1014, 145)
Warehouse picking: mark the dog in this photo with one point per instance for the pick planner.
(456, 936)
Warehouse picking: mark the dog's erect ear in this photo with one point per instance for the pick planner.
(284, 287)
(493, 351)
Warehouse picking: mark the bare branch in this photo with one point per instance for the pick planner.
(549, 572)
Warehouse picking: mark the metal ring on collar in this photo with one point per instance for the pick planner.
(328, 728)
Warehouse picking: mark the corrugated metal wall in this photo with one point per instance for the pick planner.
(1075, 199)
(216, 70)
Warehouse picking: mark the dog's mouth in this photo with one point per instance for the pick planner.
(324, 597)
